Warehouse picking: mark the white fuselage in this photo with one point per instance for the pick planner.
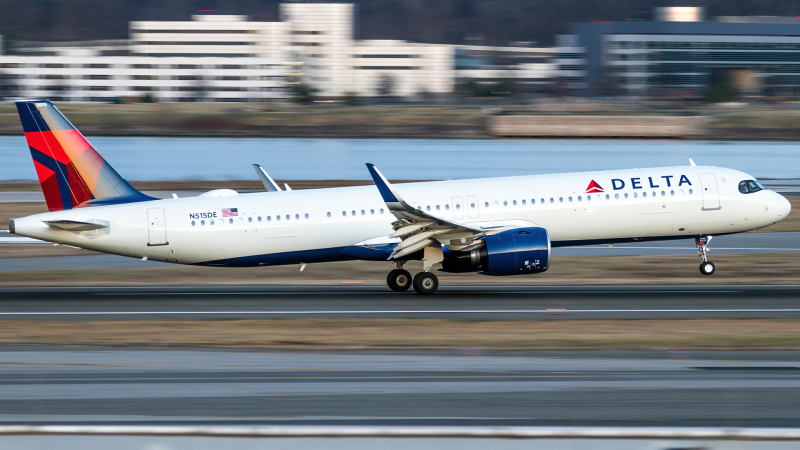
(316, 225)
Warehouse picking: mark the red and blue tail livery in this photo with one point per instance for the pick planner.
(70, 170)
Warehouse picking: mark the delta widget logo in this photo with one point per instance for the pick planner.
(593, 188)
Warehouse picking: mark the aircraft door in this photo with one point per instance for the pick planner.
(472, 207)
(156, 227)
(458, 208)
(708, 186)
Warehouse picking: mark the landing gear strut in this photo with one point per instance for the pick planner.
(425, 282)
(706, 267)
(399, 280)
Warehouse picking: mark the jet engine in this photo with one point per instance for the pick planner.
(511, 252)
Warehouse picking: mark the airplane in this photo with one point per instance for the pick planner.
(492, 226)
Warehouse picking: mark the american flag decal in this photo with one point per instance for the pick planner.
(230, 212)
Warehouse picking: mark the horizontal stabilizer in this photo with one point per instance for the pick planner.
(74, 225)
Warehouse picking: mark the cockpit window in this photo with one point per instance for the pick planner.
(750, 186)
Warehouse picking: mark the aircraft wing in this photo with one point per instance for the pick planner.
(417, 228)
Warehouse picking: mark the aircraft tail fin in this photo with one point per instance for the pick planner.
(70, 170)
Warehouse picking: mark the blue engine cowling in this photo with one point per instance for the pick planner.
(513, 252)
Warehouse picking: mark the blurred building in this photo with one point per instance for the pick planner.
(679, 54)
(169, 79)
(230, 58)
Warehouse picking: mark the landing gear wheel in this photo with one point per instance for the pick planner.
(426, 283)
(707, 268)
(399, 280)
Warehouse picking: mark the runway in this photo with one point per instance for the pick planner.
(468, 302)
(102, 386)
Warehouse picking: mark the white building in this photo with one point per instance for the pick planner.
(168, 79)
(211, 36)
(406, 69)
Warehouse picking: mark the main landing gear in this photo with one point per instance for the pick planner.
(425, 282)
(706, 267)
(399, 280)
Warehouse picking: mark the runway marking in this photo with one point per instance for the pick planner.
(392, 312)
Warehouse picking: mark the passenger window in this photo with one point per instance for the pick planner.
(663, 193)
(353, 212)
(570, 199)
(626, 195)
(514, 203)
(211, 222)
(485, 204)
(269, 218)
(329, 214)
(447, 207)
(437, 207)
(551, 200)
(259, 219)
(644, 194)
(230, 221)
(288, 217)
(372, 211)
(202, 223)
(505, 203)
(541, 200)
(671, 192)
(278, 218)
(363, 213)
(561, 199)
(691, 192)
(344, 213)
(381, 210)
(458, 205)
(193, 223)
(306, 215)
(579, 198)
(533, 201)
(428, 208)
(250, 220)
(472, 205)
(589, 198)
(523, 201)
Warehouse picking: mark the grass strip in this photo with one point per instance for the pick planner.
(539, 334)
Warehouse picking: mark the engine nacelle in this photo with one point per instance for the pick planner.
(512, 252)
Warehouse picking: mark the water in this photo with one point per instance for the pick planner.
(160, 158)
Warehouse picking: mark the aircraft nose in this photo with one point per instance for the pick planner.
(782, 206)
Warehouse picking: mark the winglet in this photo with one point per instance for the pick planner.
(692, 162)
(266, 180)
(387, 192)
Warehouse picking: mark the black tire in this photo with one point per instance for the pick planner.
(399, 280)
(425, 283)
(707, 268)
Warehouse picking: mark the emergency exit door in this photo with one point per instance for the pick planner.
(156, 227)
(708, 186)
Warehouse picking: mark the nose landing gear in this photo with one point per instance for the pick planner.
(706, 267)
